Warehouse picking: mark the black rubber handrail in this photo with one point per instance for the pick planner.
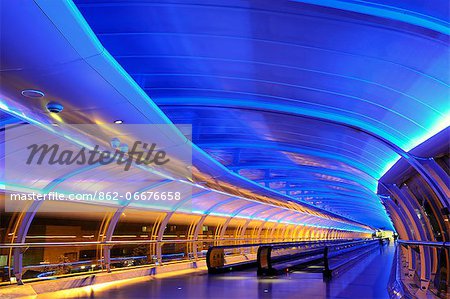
(362, 248)
(424, 243)
(215, 255)
(269, 264)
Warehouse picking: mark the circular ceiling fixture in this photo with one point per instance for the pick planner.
(118, 121)
(32, 93)
(54, 107)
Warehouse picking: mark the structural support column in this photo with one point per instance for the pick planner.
(195, 238)
(21, 236)
(108, 236)
(425, 258)
(224, 228)
(159, 239)
(427, 228)
(441, 177)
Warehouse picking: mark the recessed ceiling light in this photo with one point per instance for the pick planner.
(54, 107)
(119, 121)
(32, 93)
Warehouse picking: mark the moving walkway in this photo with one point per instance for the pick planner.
(271, 259)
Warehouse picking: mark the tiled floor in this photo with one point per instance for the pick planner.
(367, 279)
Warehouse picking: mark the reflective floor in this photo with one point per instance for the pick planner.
(367, 279)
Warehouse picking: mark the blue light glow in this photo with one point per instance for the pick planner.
(287, 115)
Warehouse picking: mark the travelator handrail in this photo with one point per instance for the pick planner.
(423, 243)
(342, 248)
(336, 256)
(273, 259)
(215, 256)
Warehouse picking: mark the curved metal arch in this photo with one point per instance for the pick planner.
(321, 153)
(232, 215)
(402, 220)
(291, 67)
(162, 226)
(324, 192)
(237, 102)
(439, 172)
(115, 218)
(268, 218)
(425, 221)
(221, 203)
(319, 170)
(285, 109)
(235, 213)
(411, 253)
(386, 12)
(306, 205)
(182, 202)
(417, 207)
(243, 208)
(299, 180)
(430, 196)
(293, 133)
(319, 187)
(305, 218)
(425, 255)
(286, 216)
(23, 227)
(347, 205)
(300, 218)
(397, 218)
(265, 208)
(324, 195)
(284, 84)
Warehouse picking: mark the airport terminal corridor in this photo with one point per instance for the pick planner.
(225, 149)
(366, 280)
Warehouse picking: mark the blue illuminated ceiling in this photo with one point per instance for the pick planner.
(275, 90)
(299, 101)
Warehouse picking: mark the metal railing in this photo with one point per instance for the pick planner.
(99, 261)
(431, 256)
(424, 243)
(341, 255)
(396, 288)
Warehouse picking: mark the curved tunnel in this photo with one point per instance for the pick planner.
(283, 121)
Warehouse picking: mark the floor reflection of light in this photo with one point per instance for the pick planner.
(271, 280)
(275, 280)
(88, 291)
(233, 277)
